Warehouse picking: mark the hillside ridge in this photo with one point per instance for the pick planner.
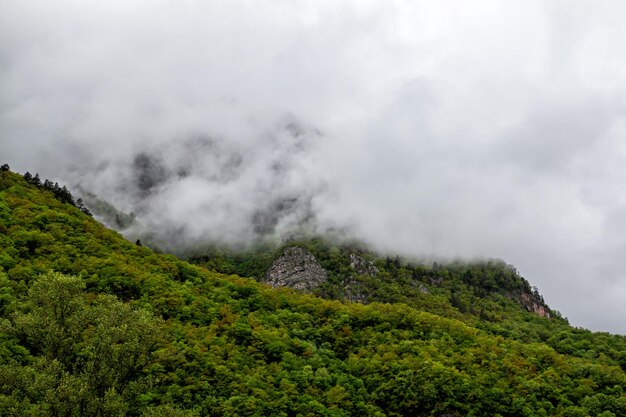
(226, 345)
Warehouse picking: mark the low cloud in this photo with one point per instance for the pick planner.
(434, 129)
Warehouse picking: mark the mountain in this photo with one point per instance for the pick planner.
(93, 324)
(489, 295)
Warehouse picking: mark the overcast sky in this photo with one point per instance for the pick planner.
(432, 128)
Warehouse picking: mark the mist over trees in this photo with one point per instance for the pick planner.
(93, 324)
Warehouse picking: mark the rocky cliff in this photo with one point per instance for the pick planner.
(353, 288)
(535, 304)
(296, 268)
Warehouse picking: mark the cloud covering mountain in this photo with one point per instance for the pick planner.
(438, 129)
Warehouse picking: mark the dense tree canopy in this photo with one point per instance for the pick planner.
(95, 325)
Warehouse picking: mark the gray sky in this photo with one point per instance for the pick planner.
(446, 129)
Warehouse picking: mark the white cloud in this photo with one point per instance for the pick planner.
(490, 129)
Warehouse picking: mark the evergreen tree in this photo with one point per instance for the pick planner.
(36, 181)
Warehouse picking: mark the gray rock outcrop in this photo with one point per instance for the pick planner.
(296, 268)
(353, 290)
(353, 285)
(361, 266)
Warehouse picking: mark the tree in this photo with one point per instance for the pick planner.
(81, 206)
(90, 356)
(52, 317)
(36, 181)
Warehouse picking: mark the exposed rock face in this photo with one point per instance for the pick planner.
(534, 305)
(361, 266)
(353, 290)
(296, 268)
(352, 286)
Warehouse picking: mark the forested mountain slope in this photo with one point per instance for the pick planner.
(120, 330)
(489, 295)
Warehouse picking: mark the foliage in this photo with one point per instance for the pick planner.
(489, 295)
(87, 356)
(60, 193)
(121, 330)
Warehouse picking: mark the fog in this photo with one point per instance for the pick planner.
(452, 129)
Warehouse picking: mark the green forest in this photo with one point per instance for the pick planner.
(94, 325)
